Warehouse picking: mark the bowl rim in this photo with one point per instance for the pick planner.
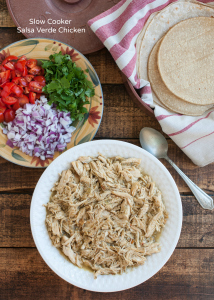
(165, 172)
(38, 38)
(133, 93)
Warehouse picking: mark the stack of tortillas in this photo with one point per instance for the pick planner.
(176, 54)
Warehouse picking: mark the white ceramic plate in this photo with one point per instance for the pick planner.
(83, 278)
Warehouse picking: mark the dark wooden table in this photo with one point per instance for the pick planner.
(189, 273)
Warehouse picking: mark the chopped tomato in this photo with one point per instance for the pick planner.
(8, 86)
(17, 90)
(18, 73)
(38, 95)
(13, 74)
(1, 117)
(3, 84)
(40, 80)
(9, 58)
(7, 89)
(2, 69)
(25, 72)
(35, 70)
(2, 109)
(32, 97)
(29, 77)
(15, 80)
(13, 95)
(27, 91)
(9, 115)
(42, 72)
(9, 100)
(4, 76)
(23, 100)
(22, 82)
(35, 87)
(16, 105)
(31, 63)
(23, 57)
(2, 103)
(4, 94)
(9, 66)
(20, 65)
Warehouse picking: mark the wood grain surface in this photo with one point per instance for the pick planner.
(5, 18)
(24, 275)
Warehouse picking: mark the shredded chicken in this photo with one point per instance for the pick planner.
(104, 213)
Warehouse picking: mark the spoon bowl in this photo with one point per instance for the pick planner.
(154, 142)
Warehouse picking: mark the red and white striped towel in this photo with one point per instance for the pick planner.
(118, 29)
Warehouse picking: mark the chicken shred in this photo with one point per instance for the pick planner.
(104, 213)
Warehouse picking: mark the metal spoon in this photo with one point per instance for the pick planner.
(155, 143)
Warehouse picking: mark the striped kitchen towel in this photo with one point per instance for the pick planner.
(118, 29)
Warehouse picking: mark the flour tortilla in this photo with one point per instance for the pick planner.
(186, 60)
(161, 22)
(164, 95)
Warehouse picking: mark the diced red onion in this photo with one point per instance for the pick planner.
(9, 143)
(39, 129)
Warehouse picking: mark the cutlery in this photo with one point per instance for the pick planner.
(155, 143)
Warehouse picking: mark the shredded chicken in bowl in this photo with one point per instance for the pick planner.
(104, 213)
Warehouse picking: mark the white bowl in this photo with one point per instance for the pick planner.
(83, 278)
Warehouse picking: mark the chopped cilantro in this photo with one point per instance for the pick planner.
(67, 85)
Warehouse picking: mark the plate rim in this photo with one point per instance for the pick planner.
(172, 247)
(100, 120)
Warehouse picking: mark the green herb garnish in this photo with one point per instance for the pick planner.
(67, 85)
